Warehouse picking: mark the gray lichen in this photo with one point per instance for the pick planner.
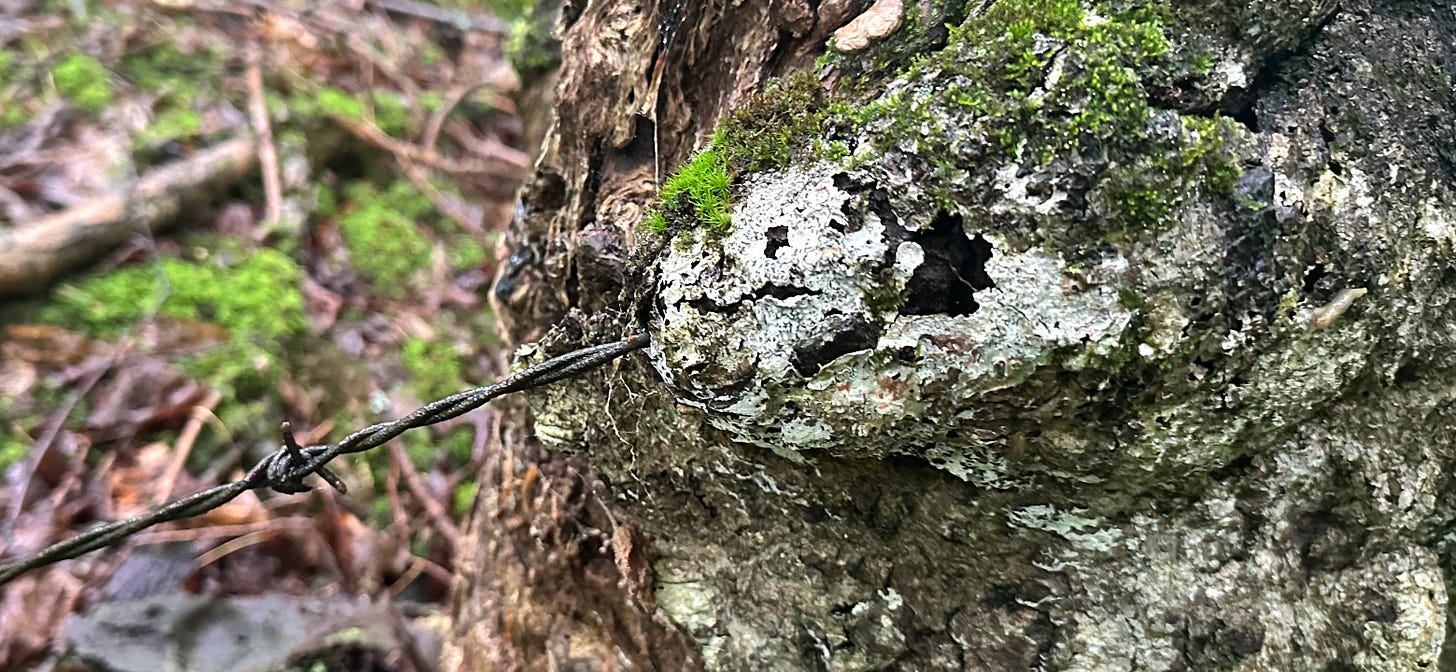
(770, 329)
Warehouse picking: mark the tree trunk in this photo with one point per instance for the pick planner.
(1075, 336)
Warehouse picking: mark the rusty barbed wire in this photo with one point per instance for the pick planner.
(284, 469)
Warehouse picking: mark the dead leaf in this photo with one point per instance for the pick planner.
(31, 611)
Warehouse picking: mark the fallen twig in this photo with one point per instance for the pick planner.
(267, 151)
(508, 164)
(412, 482)
(31, 255)
(200, 413)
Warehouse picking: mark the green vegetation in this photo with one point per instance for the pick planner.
(257, 295)
(337, 101)
(83, 81)
(466, 254)
(256, 298)
(1051, 85)
(531, 48)
(379, 231)
(698, 192)
(163, 69)
(14, 445)
(776, 126)
(173, 123)
(883, 299)
(392, 114)
(13, 106)
(435, 366)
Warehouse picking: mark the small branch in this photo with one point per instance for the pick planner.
(31, 255)
(199, 415)
(456, 19)
(285, 469)
(510, 164)
(267, 151)
(416, 487)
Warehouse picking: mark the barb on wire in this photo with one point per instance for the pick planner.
(285, 469)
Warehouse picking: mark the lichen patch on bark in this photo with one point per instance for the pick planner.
(774, 328)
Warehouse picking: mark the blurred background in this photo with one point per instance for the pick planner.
(216, 216)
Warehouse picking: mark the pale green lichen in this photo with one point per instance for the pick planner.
(773, 352)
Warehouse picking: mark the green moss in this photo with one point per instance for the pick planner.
(258, 294)
(1049, 85)
(82, 80)
(697, 194)
(327, 202)
(775, 127)
(163, 69)
(255, 297)
(332, 100)
(378, 228)
(174, 123)
(466, 253)
(883, 300)
(506, 9)
(17, 103)
(435, 366)
(391, 114)
(531, 48)
(465, 497)
(13, 447)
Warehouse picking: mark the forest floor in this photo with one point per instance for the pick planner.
(266, 213)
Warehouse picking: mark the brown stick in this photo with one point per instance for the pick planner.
(267, 151)
(32, 255)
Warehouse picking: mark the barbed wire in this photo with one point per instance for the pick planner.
(284, 469)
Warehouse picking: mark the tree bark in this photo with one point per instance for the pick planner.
(1078, 336)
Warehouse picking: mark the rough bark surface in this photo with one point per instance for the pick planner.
(1116, 338)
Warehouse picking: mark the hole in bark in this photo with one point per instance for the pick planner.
(778, 238)
(1408, 372)
(710, 306)
(954, 268)
(1238, 467)
(880, 205)
(780, 292)
(1247, 117)
(846, 336)
(1312, 277)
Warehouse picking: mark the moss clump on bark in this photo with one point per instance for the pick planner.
(775, 127)
(1049, 87)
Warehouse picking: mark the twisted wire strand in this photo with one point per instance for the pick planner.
(284, 469)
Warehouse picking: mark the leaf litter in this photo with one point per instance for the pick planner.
(328, 272)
